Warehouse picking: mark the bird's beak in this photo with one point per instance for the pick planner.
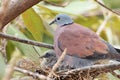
(42, 56)
(52, 22)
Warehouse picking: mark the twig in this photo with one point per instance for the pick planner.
(40, 76)
(98, 68)
(57, 64)
(107, 7)
(101, 27)
(26, 41)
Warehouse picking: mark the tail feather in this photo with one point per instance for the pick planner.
(118, 55)
(118, 50)
(114, 52)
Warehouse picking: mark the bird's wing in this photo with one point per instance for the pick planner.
(82, 43)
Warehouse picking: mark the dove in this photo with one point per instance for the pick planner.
(83, 45)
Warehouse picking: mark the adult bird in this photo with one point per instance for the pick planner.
(82, 43)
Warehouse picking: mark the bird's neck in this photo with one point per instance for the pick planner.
(66, 24)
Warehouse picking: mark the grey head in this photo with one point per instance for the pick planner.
(48, 59)
(62, 20)
(49, 54)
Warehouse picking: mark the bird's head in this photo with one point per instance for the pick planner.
(62, 19)
(49, 54)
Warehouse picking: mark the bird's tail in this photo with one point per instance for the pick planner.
(117, 55)
(118, 50)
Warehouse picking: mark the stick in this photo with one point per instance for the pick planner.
(57, 64)
(40, 76)
(102, 26)
(26, 41)
(95, 69)
(107, 7)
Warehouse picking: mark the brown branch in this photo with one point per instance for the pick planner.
(40, 76)
(13, 9)
(107, 7)
(93, 70)
(26, 41)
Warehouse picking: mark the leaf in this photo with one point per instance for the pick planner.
(34, 24)
(46, 12)
(9, 50)
(75, 7)
(25, 49)
(113, 31)
(37, 26)
(114, 4)
(90, 22)
(112, 77)
(106, 76)
(57, 1)
(46, 15)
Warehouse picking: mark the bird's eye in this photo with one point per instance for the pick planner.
(47, 54)
(58, 18)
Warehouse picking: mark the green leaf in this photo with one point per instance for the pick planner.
(33, 23)
(46, 16)
(57, 1)
(25, 49)
(112, 3)
(9, 50)
(111, 77)
(46, 12)
(75, 7)
(113, 31)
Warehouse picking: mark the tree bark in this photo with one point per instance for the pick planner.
(14, 8)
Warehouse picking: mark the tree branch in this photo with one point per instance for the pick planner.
(107, 7)
(13, 8)
(26, 41)
(61, 58)
(93, 71)
(40, 76)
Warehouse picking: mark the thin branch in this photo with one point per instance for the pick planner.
(40, 76)
(93, 70)
(57, 64)
(107, 7)
(102, 26)
(26, 41)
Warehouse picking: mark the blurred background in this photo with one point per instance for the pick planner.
(33, 24)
